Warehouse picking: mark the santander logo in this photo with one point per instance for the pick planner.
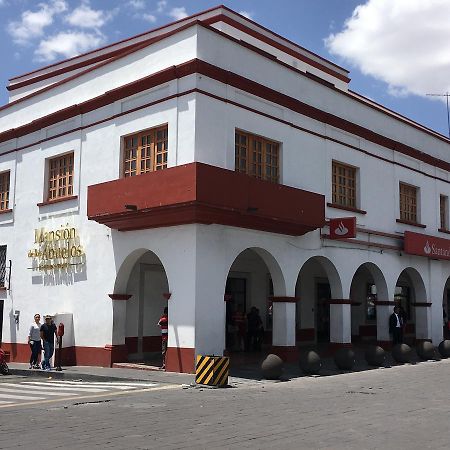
(427, 248)
(341, 230)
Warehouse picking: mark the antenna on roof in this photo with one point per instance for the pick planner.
(447, 95)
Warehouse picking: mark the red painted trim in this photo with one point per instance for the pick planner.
(58, 200)
(214, 72)
(443, 230)
(385, 345)
(335, 301)
(305, 334)
(420, 304)
(284, 299)
(180, 359)
(384, 303)
(356, 303)
(287, 354)
(413, 224)
(346, 208)
(335, 346)
(119, 296)
(5, 211)
(379, 233)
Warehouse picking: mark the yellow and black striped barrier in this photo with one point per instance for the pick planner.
(212, 370)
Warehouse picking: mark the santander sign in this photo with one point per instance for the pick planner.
(424, 245)
(342, 227)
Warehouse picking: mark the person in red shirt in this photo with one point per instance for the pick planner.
(164, 325)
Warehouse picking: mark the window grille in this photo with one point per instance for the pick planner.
(2, 265)
(408, 203)
(343, 184)
(60, 177)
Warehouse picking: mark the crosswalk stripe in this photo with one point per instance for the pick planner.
(4, 403)
(104, 383)
(65, 388)
(32, 390)
(22, 397)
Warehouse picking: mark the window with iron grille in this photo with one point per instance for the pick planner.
(443, 210)
(4, 191)
(146, 151)
(343, 184)
(257, 156)
(408, 203)
(2, 265)
(60, 177)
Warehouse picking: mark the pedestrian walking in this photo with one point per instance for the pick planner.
(163, 324)
(48, 332)
(396, 325)
(34, 341)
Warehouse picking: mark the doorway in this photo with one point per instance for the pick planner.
(236, 295)
(323, 296)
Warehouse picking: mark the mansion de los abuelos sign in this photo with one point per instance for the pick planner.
(57, 249)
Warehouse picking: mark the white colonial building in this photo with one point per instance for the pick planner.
(197, 166)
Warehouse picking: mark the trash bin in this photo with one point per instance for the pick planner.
(212, 370)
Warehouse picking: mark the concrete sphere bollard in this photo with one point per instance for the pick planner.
(402, 353)
(344, 358)
(310, 362)
(425, 350)
(444, 348)
(375, 356)
(272, 367)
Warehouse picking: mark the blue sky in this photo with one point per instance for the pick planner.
(396, 50)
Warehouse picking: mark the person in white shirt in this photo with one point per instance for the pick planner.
(34, 340)
(396, 323)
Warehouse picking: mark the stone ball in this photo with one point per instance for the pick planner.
(375, 356)
(425, 350)
(444, 348)
(402, 353)
(344, 358)
(310, 362)
(272, 367)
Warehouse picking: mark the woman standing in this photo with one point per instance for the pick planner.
(34, 340)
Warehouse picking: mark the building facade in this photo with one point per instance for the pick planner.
(198, 166)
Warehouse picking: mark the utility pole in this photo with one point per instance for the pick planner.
(447, 95)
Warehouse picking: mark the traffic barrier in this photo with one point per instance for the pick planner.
(212, 370)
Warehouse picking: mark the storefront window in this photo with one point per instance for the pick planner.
(371, 310)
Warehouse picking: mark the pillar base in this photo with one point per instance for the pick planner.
(287, 354)
(180, 360)
(119, 353)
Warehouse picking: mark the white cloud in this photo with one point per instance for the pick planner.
(137, 4)
(33, 23)
(86, 17)
(405, 43)
(247, 14)
(149, 17)
(161, 6)
(178, 13)
(67, 44)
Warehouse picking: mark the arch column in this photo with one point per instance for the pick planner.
(423, 320)
(283, 328)
(118, 349)
(340, 322)
(384, 310)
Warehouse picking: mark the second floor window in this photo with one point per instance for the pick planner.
(343, 184)
(4, 191)
(145, 151)
(60, 177)
(408, 203)
(443, 211)
(257, 156)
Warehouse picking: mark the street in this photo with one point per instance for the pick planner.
(393, 408)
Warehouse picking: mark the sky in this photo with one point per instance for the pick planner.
(397, 51)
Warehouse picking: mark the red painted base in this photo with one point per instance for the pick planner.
(386, 345)
(287, 354)
(335, 346)
(180, 360)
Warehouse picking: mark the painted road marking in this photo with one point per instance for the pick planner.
(38, 392)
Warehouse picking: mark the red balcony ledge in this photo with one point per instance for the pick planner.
(199, 193)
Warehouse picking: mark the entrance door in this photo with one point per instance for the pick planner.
(1, 320)
(323, 312)
(236, 290)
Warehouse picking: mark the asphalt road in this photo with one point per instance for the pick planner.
(403, 407)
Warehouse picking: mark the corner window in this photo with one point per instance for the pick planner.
(443, 211)
(145, 151)
(4, 191)
(60, 177)
(2, 265)
(257, 156)
(343, 184)
(408, 203)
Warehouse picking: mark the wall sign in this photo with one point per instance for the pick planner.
(56, 249)
(424, 245)
(342, 228)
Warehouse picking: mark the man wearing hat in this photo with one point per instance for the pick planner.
(48, 332)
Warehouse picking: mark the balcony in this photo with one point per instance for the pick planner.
(199, 193)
